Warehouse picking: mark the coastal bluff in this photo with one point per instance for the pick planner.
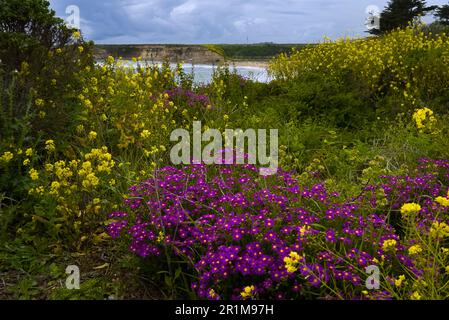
(195, 54)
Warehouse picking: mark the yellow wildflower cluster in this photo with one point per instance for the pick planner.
(92, 135)
(291, 262)
(423, 116)
(149, 115)
(389, 245)
(76, 34)
(39, 102)
(248, 292)
(160, 237)
(410, 208)
(34, 175)
(371, 59)
(103, 159)
(50, 146)
(7, 156)
(443, 201)
(415, 296)
(145, 134)
(398, 282)
(416, 249)
(304, 230)
(75, 184)
(65, 178)
(439, 230)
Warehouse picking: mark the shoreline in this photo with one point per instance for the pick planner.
(231, 63)
(250, 63)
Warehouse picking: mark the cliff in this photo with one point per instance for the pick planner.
(196, 54)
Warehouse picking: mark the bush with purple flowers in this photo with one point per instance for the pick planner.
(244, 236)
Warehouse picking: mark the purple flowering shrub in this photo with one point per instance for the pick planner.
(189, 98)
(245, 236)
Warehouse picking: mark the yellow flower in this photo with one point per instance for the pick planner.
(291, 269)
(29, 152)
(399, 281)
(80, 49)
(76, 34)
(110, 60)
(389, 244)
(79, 129)
(50, 145)
(92, 135)
(212, 293)
(90, 181)
(304, 230)
(291, 262)
(410, 208)
(439, 230)
(415, 296)
(39, 190)
(294, 256)
(421, 115)
(160, 237)
(442, 201)
(42, 114)
(415, 250)
(145, 134)
(39, 102)
(34, 175)
(7, 156)
(248, 292)
(55, 185)
(26, 162)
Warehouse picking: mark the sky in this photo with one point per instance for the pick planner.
(219, 21)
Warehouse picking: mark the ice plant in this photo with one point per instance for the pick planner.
(234, 226)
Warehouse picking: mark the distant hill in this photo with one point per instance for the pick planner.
(258, 51)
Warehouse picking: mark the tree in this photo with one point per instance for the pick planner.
(442, 14)
(399, 13)
(37, 48)
(28, 29)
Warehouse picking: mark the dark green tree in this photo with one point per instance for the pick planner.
(36, 48)
(399, 13)
(442, 14)
(29, 28)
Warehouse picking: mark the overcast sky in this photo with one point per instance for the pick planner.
(220, 21)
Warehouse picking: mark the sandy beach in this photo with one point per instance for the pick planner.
(256, 64)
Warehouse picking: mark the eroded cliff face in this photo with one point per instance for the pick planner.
(173, 53)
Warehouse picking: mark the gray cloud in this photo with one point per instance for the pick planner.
(219, 21)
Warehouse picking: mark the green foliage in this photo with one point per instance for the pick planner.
(260, 51)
